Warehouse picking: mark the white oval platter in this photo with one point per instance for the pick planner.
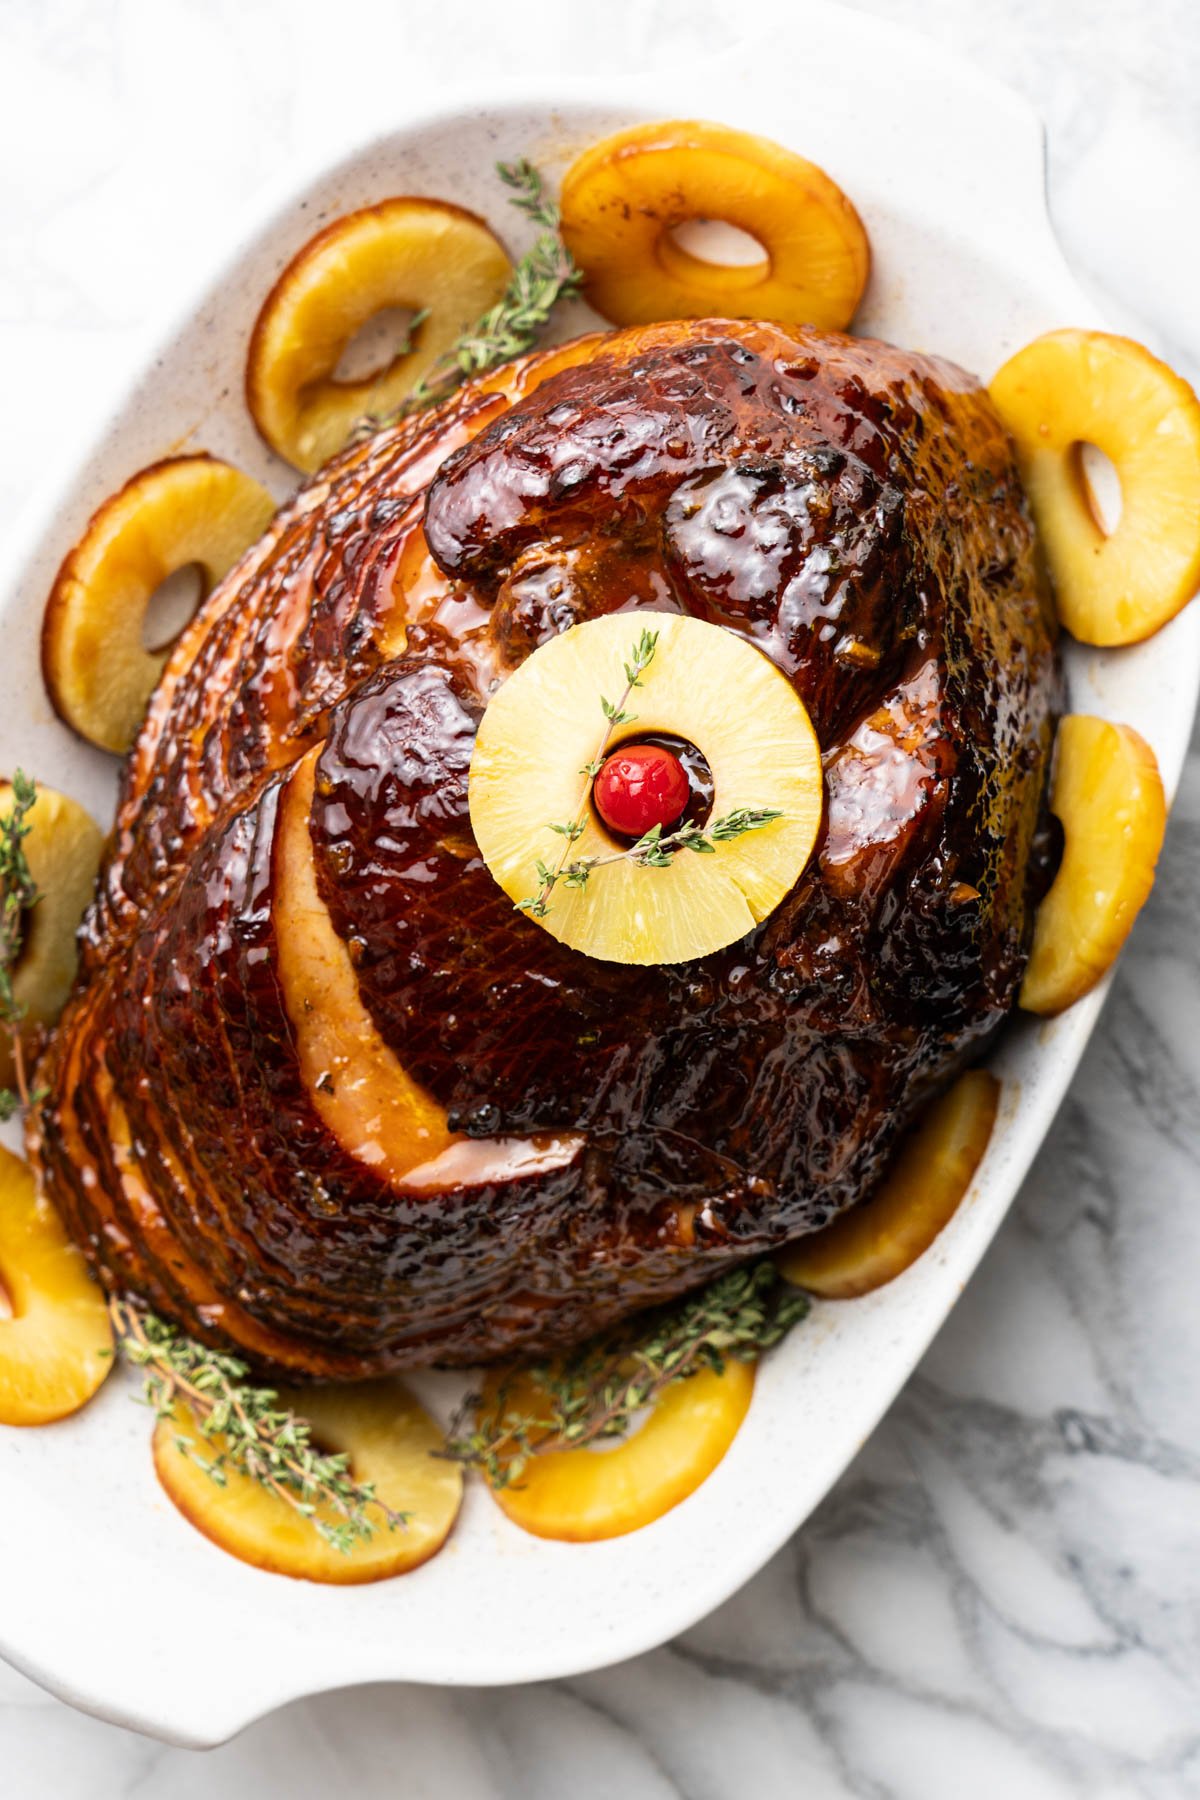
(107, 1596)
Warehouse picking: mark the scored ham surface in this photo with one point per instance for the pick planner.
(321, 1093)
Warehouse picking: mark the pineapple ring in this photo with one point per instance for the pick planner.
(56, 1349)
(391, 1441)
(1108, 794)
(587, 1494)
(622, 199)
(188, 509)
(62, 849)
(424, 254)
(877, 1240)
(1070, 388)
(705, 685)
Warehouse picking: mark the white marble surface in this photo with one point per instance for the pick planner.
(1002, 1598)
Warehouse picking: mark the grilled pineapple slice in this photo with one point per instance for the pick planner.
(425, 255)
(591, 1493)
(886, 1233)
(1072, 388)
(624, 197)
(390, 1441)
(1108, 794)
(56, 1342)
(62, 849)
(187, 510)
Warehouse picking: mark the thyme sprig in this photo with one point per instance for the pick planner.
(546, 274)
(654, 851)
(18, 895)
(575, 874)
(250, 1430)
(595, 1392)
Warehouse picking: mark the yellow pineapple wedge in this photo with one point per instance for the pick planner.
(624, 198)
(1108, 795)
(587, 1494)
(886, 1233)
(189, 510)
(545, 726)
(63, 852)
(425, 255)
(56, 1342)
(1072, 388)
(390, 1441)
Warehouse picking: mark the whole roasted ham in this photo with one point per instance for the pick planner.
(322, 1093)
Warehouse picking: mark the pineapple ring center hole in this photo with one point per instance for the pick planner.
(377, 345)
(1099, 485)
(172, 606)
(719, 244)
(701, 786)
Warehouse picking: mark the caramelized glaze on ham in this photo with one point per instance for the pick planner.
(321, 1093)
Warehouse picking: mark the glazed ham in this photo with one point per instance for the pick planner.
(322, 1094)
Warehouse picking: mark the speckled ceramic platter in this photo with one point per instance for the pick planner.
(106, 1595)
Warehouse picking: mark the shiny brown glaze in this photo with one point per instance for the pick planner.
(852, 509)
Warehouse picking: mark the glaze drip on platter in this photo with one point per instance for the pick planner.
(563, 1140)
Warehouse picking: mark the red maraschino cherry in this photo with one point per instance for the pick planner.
(640, 786)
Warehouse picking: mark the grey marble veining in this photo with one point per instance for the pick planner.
(1001, 1600)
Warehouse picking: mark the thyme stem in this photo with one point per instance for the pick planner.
(251, 1431)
